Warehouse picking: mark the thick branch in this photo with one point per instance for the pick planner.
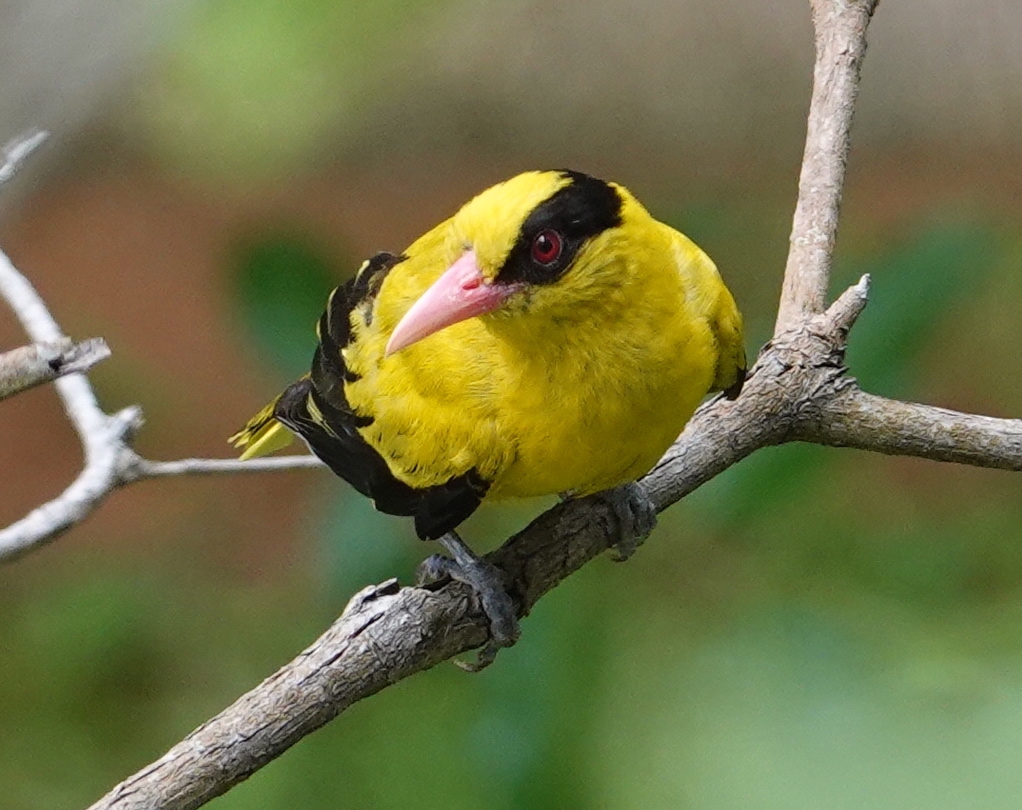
(362, 652)
(840, 27)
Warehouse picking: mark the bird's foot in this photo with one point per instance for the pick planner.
(488, 582)
(636, 516)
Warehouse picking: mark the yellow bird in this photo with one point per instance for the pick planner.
(550, 337)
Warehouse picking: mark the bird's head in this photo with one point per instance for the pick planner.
(540, 245)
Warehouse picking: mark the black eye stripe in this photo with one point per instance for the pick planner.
(581, 210)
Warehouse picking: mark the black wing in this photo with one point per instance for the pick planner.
(317, 409)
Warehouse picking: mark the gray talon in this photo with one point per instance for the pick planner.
(636, 517)
(488, 583)
(432, 569)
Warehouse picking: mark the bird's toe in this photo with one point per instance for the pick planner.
(488, 583)
(636, 515)
(434, 568)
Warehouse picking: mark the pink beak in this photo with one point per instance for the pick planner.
(459, 294)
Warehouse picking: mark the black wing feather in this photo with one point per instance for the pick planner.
(336, 440)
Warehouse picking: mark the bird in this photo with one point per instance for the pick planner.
(551, 337)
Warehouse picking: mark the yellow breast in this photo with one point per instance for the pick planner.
(577, 402)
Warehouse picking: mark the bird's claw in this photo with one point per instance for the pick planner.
(636, 516)
(488, 583)
(434, 568)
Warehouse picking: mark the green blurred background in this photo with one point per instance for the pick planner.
(816, 628)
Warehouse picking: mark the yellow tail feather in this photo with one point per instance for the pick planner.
(261, 435)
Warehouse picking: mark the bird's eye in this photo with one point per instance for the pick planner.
(546, 247)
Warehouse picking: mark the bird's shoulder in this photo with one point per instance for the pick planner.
(710, 299)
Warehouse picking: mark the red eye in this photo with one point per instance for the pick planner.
(546, 247)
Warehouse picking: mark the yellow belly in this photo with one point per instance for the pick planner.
(581, 438)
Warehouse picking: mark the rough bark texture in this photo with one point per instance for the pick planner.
(869, 422)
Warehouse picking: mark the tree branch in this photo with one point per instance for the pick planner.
(139, 468)
(106, 438)
(797, 390)
(110, 464)
(29, 366)
(840, 27)
(387, 633)
(868, 422)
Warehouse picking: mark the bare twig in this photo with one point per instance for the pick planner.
(840, 27)
(29, 366)
(106, 438)
(113, 464)
(140, 468)
(14, 152)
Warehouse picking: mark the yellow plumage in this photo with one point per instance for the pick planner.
(262, 435)
(577, 382)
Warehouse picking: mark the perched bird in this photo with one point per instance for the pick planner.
(550, 337)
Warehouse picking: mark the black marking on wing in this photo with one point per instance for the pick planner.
(441, 508)
(436, 510)
(360, 292)
(328, 368)
(317, 409)
(584, 208)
